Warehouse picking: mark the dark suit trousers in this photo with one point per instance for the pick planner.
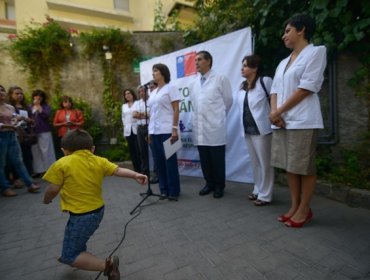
(133, 148)
(212, 161)
(142, 134)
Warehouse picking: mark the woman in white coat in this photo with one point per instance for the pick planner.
(296, 116)
(164, 123)
(130, 127)
(254, 110)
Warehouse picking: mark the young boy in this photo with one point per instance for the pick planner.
(78, 177)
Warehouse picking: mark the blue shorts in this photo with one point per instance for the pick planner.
(78, 231)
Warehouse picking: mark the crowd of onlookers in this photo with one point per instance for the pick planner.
(27, 148)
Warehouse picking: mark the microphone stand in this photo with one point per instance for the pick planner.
(149, 191)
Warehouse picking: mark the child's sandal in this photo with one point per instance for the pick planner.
(111, 268)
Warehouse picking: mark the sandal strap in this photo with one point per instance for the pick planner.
(108, 266)
(252, 196)
(259, 202)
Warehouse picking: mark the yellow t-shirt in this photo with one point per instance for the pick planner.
(80, 175)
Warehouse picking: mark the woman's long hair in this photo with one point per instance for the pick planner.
(10, 96)
(253, 61)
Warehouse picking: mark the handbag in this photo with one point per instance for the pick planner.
(26, 136)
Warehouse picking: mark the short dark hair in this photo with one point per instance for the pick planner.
(41, 93)
(300, 21)
(130, 91)
(206, 56)
(66, 98)
(77, 139)
(165, 72)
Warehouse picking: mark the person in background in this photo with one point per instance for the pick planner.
(154, 177)
(43, 152)
(78, 177)
(10, 149)
(212, 98)
(254, 104)
(164, 121)
(141, 114)
(67, 118)
(296, 115)
(24, 130)
(130, 127)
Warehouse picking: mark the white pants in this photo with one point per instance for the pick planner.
(259, 147)
(43, 152)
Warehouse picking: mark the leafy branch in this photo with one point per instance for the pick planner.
(35, 50)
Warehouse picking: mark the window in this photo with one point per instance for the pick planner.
(122, 5)
(9, 10)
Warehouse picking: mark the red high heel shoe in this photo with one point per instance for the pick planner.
(283, 218)
(293, 224)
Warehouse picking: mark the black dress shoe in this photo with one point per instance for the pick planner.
(163, 197)
(218, 194)
(173, 198)
(206, 190)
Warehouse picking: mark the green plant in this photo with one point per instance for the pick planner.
(173, 23)
(341, 24)
(348, 166)
(42, 50)
(161, 24)
(159, 18)
(118, 152)
(124, 52)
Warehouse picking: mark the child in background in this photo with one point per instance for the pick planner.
(78, 178)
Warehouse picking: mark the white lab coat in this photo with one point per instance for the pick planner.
(306, 72)
(211, 102)
(129, 122)
(258, 104)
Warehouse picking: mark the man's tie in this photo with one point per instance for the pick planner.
(202, 80)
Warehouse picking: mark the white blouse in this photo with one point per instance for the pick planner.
(161, 111)
(129, 122)
(306, 72)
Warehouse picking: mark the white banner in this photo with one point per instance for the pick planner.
(227, 52)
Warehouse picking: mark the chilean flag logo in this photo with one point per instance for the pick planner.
(186, 65)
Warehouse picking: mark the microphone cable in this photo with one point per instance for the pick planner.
(124, 232)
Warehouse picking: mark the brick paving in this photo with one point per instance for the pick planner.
(195, 238)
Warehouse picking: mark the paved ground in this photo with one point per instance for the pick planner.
(195, 238)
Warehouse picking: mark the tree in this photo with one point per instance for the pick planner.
(159, 18)
(341, 24)
(160, 23)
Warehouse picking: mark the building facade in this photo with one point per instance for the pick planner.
(127, 15)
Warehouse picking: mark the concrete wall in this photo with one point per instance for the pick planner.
(352, 111)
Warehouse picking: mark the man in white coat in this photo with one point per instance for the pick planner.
(211, 97)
